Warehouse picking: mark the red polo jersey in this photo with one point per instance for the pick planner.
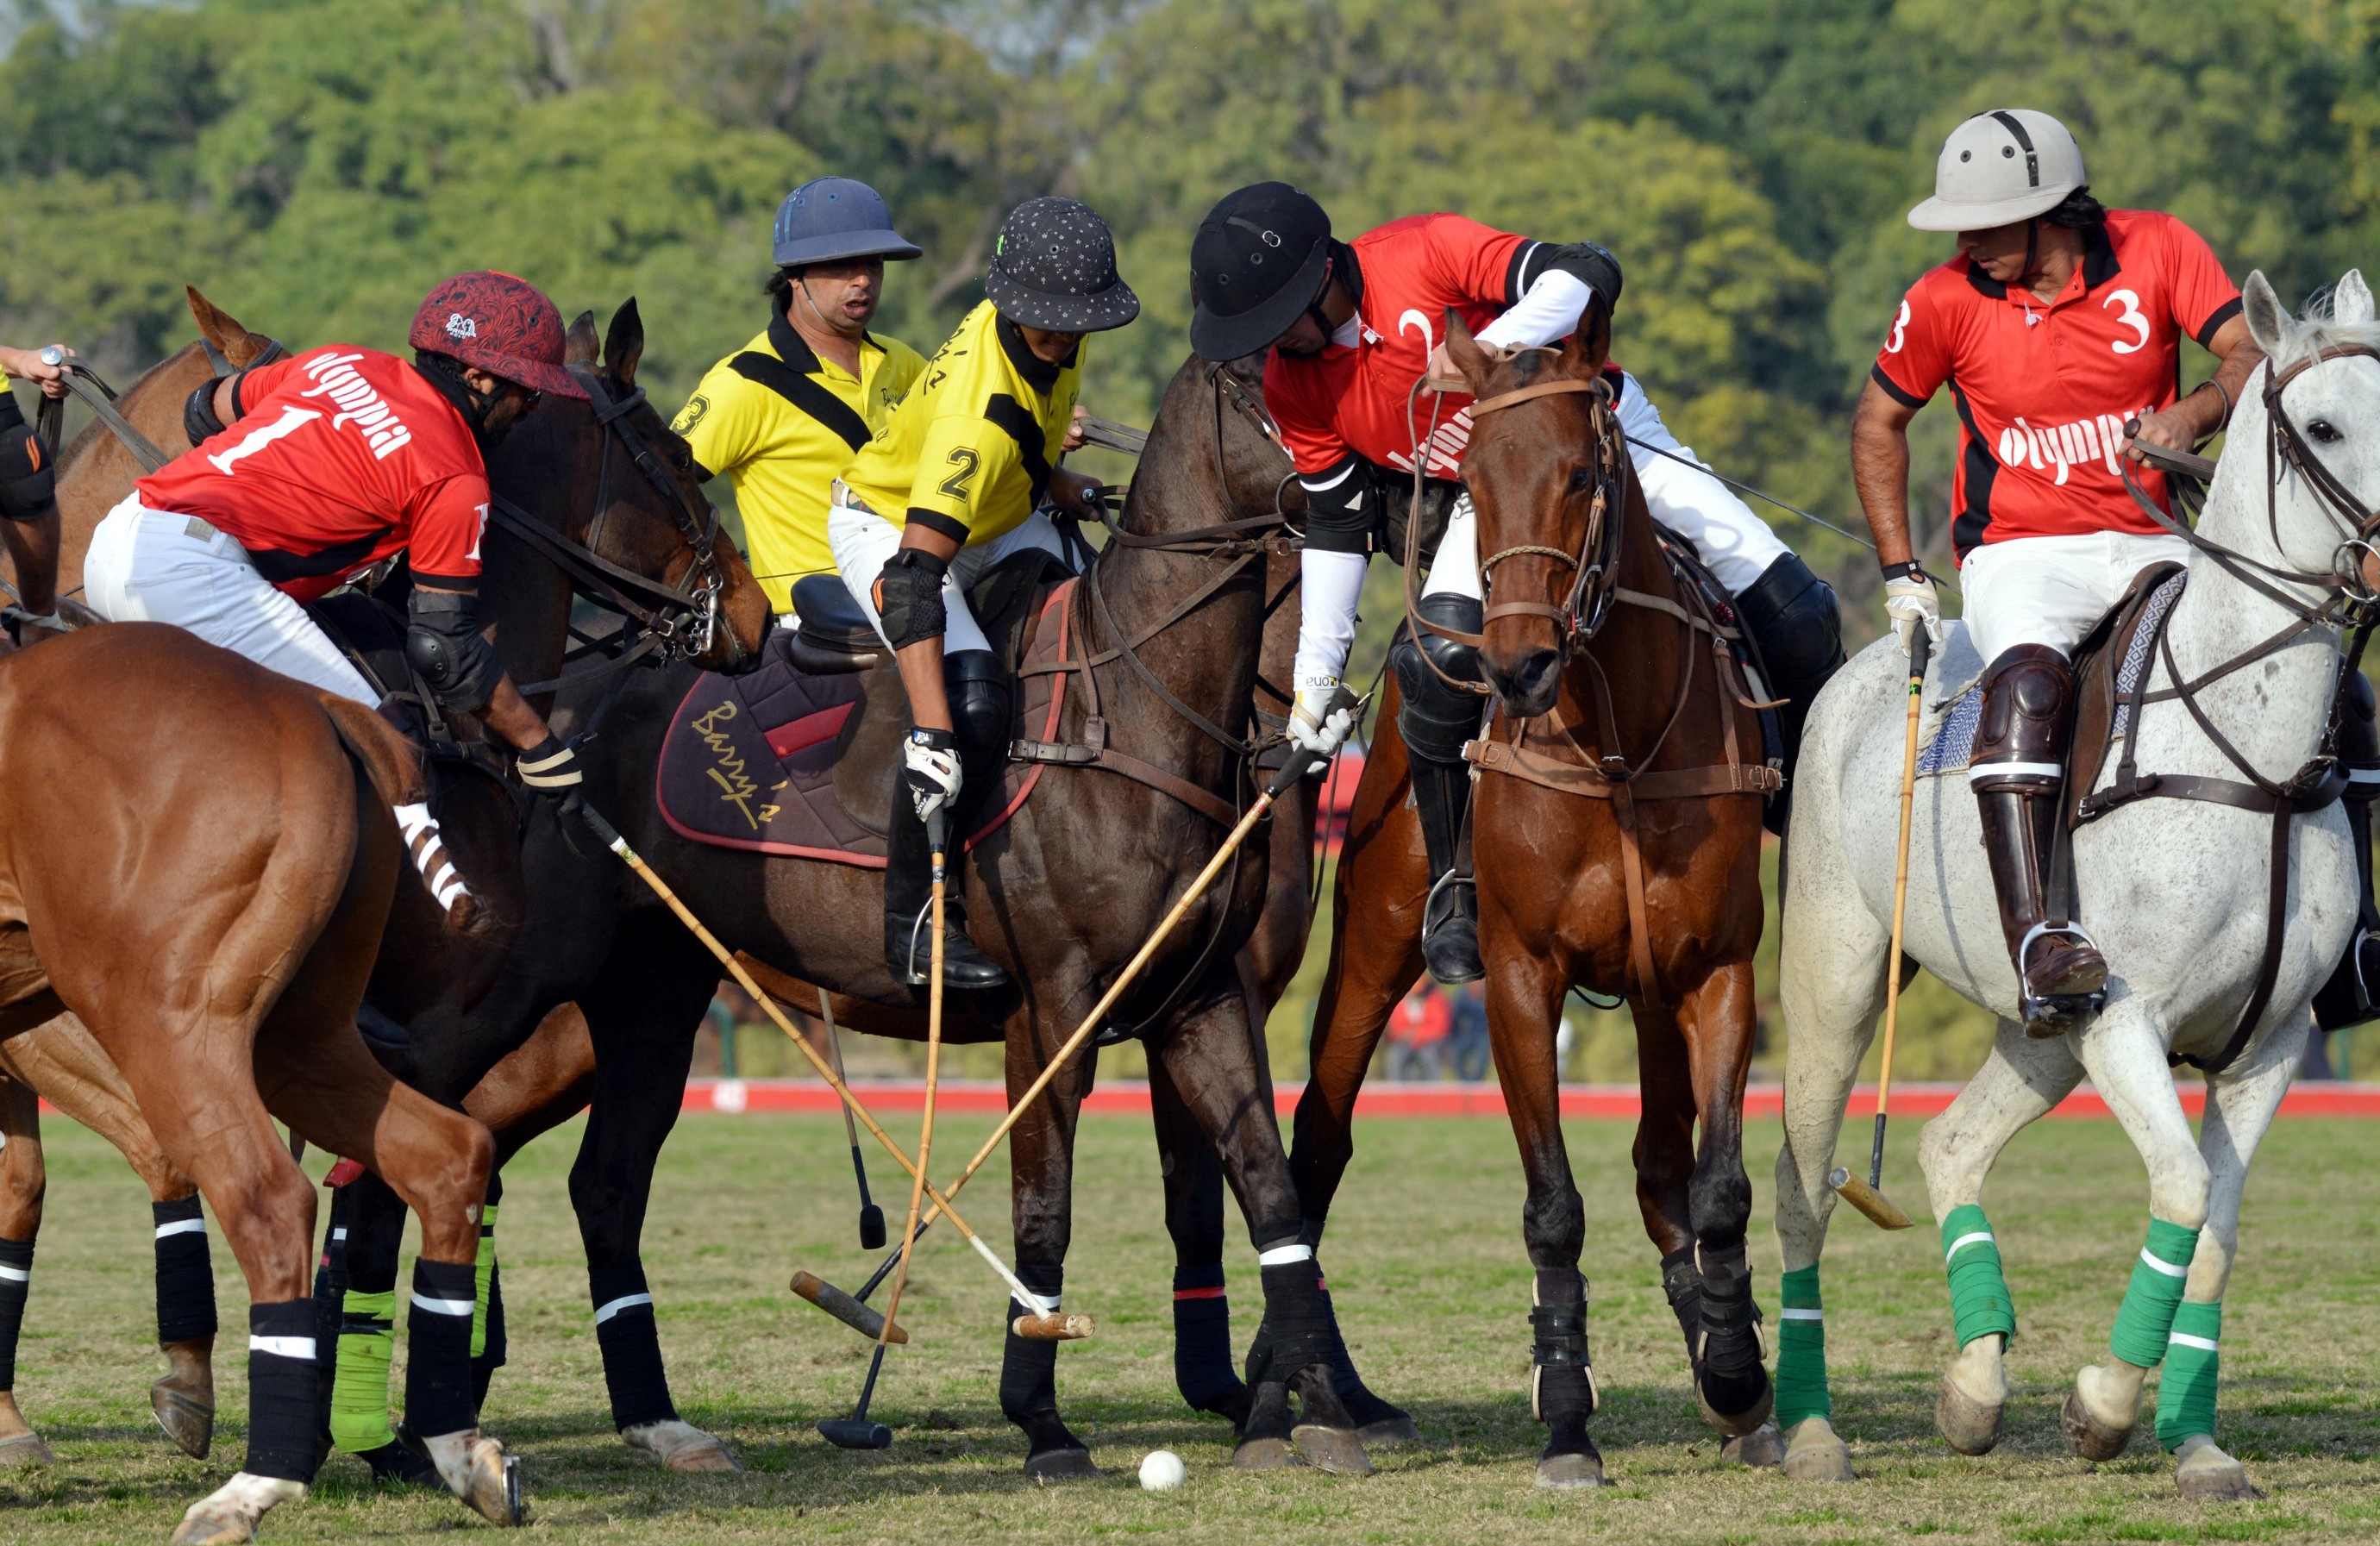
(341, 456)
(2043, 390)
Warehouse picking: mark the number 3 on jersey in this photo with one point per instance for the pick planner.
(955, 485)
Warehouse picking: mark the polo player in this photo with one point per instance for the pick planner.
(310, 469)
(780, 417)
(1351, 326)
(2058, 321)
(28, 508)
(950, 486)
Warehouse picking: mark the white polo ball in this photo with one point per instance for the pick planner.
(1163, 1471)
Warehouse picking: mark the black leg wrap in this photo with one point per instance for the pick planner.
(1298, 1329)
(1561, 1376)
(16, 1281)
(631, 1343)
(484, 1366)
(438, 1349)
(1733, 1381)
(1029, 1371)
(1681, 1284)
(282, 1441)
(1362, 1406)
(1202, 1342)
(186, 1276)
(330, 1309)
(2352, 994)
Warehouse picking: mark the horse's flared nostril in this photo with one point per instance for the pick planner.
(1528, 686)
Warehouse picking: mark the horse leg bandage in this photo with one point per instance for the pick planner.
(1362, 1405)
(491, 1355)
(16, 1280)
(1561, 1375)
(1298, 1325)
(1028, 1370)
(185, 1275)
(281, 1383)
(2145, 1323)
(1682, 1284)
(426, 847)
(484, 1281)
(438, 1350)
(359, 1388)
(1202, 1337)
(2193, 1363)
(631, 1342)
(1732, 1377)
(1802, 1349)
(1980, 1304)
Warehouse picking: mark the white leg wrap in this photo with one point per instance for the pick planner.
(427, 849)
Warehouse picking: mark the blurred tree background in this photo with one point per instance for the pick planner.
(314, 165)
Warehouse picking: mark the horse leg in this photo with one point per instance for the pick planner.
(356, 1299)
(1203, 1370)
(23, 1179)
(642, 1015)
(2125, 1056)
(2241, 1105)
(1215, 1062)
(2020, 1080)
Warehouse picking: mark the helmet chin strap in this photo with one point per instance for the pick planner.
(2032, 250)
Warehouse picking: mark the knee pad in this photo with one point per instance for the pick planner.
(28, 488)
(1437, 719)
(1795, 620)
(911, 606)
(979, 694)
(2028, 696)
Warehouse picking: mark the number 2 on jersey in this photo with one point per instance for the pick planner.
(966, 460)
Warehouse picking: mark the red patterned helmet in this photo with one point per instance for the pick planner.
(498, 323)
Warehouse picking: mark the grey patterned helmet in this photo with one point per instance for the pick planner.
(1055, 268)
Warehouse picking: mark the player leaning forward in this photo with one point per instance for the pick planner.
(1351, 326)
(950, 486)
(2058, 322)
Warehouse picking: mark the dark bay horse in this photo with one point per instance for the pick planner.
(198, 862)
(1589, 700)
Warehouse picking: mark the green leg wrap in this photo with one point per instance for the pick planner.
(487, 1272)
(2185, 1389)
(2146, 1319)
(359, 1389)
(1801, 1351)
(1979, 1293)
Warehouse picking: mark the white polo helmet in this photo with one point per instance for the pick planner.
(1999, 167)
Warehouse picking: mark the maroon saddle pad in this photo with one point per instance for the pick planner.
(759, 761)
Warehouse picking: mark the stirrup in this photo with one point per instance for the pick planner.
(911, 973)
(2055, 1015)
(1438, 909)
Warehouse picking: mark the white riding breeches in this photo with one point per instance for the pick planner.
(148, 565)
(862, 541)
(2051, 589)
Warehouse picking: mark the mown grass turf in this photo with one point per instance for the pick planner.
(1425, 1261)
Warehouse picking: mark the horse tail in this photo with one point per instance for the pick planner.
(387, 758)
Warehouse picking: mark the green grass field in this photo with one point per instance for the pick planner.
(1426, 1261)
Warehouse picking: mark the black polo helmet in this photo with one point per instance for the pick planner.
(1055, 268)
(1255, 266)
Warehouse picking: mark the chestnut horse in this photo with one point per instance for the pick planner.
(197, 862)
(1608, 859)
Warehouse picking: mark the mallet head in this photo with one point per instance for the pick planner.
(871, 1228)
(1867, 1200)
(855, 1433)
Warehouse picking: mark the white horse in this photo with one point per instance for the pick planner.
(2174, 891)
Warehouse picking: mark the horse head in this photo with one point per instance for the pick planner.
(1215, 452)
(1546, 495)
(611, 476)
(2317, 405)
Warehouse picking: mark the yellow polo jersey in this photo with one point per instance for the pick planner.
(781, 423)
(967, 453)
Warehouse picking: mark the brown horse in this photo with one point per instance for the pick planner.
(1617, 836)
(198, 862)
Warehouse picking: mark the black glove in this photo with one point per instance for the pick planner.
(550, 770)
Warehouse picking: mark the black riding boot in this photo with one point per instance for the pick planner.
(2352, 994)
(1793, 620)
(908, 909)
(2017, 775)
(1434, 721)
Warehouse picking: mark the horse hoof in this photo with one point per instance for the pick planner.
(186, 1420)
(1966, 1424)
(1737, 1425)
(1761, 1447)
(24, 1452)
(1062, 1464)
(1333, 1450)
(1390, 1433)
(680, 1446)
(1814, 1453)
(490, 1483)
(2091, 1439)
(2206, 1474)
(1265, 1454)
(228, 1515)
(1569, 1472)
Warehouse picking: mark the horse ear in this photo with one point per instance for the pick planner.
(1588, 349)
(1464, 350)
(623, 344)
(2351, 302)
(578, 346)
(233, 342)
(2268, 321)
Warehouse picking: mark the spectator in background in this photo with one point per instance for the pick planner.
(1467, 1039)
(1418, 1029)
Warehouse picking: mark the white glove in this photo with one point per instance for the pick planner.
(1910, 599)
(929, 764)
(1317, 724)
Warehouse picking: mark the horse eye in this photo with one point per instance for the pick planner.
(2324, 431)
(1582, 478)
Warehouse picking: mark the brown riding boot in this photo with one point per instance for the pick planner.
(2018, 773)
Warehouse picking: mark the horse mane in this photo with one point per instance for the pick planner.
(2315, 329)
